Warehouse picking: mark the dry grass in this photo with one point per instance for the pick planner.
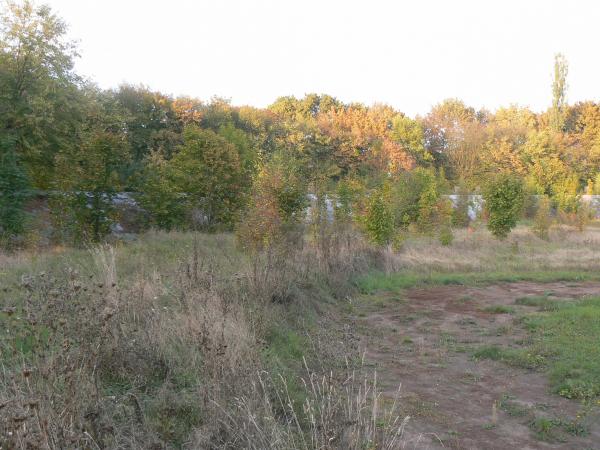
(160, 344)
(478, 251)
(347, 413)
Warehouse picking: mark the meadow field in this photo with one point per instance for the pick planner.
(367, 268)
(178, 340)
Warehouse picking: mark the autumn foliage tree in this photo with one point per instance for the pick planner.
(275, 211)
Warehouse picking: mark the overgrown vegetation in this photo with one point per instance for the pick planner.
(178, 340)
(135, 330)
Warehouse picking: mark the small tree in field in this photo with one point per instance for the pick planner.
(275, 211)
(427, 209)
(504, 197)
(84, 209)
(444, 222)
(542, 220)
(379, 219)
(583, 216)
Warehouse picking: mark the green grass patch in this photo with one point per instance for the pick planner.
(566, 342)
(513, 408)
(545, 429)
(285, 345)
(499, 309)
(522, 358)
(380, 281)
(572, 335)
(542, 302)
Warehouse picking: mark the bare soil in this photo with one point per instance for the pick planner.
(423, 340)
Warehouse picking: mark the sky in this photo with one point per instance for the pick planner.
(408, 54)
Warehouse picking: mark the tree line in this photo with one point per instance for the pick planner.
(213, 165)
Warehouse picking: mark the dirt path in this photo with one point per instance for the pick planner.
(423, 339)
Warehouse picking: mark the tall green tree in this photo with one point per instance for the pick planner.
(559, 93)
(92, 184)
(409, 134)
(39, 107)
(13, 194)
(203, 180)
(150, 120)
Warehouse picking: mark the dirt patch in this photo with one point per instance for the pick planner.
(424, 339)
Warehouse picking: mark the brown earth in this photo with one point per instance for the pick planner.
(423, 340)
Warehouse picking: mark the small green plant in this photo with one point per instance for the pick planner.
(499, 309)
(542, 302)
(446, 236)
(545, 428)
(512, 408)
(513, 357)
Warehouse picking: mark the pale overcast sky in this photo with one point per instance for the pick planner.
(409, 54)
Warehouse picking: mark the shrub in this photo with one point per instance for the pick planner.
(583, 216)
(460, 211)
(414, 197)
(566, 196)
(446, 236)
(504, 198)
(596, 190)
(160, 197)
(443, 221)
(274, 214)
(428, 202)
(379, 220)
(543, 219)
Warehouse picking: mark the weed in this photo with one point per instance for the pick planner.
(499, 309)
(512, 408)
(514, 357)
(545, 428)
(542, 302)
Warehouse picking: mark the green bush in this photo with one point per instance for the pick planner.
(200, 185)
(427, 204)
(84, 192)
(504, 197)
(379, 220)
(446, 236)
(414, 197)
(566, 194)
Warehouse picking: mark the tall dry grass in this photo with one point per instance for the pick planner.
(477, 250)
(345, 413)
(158, 344)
